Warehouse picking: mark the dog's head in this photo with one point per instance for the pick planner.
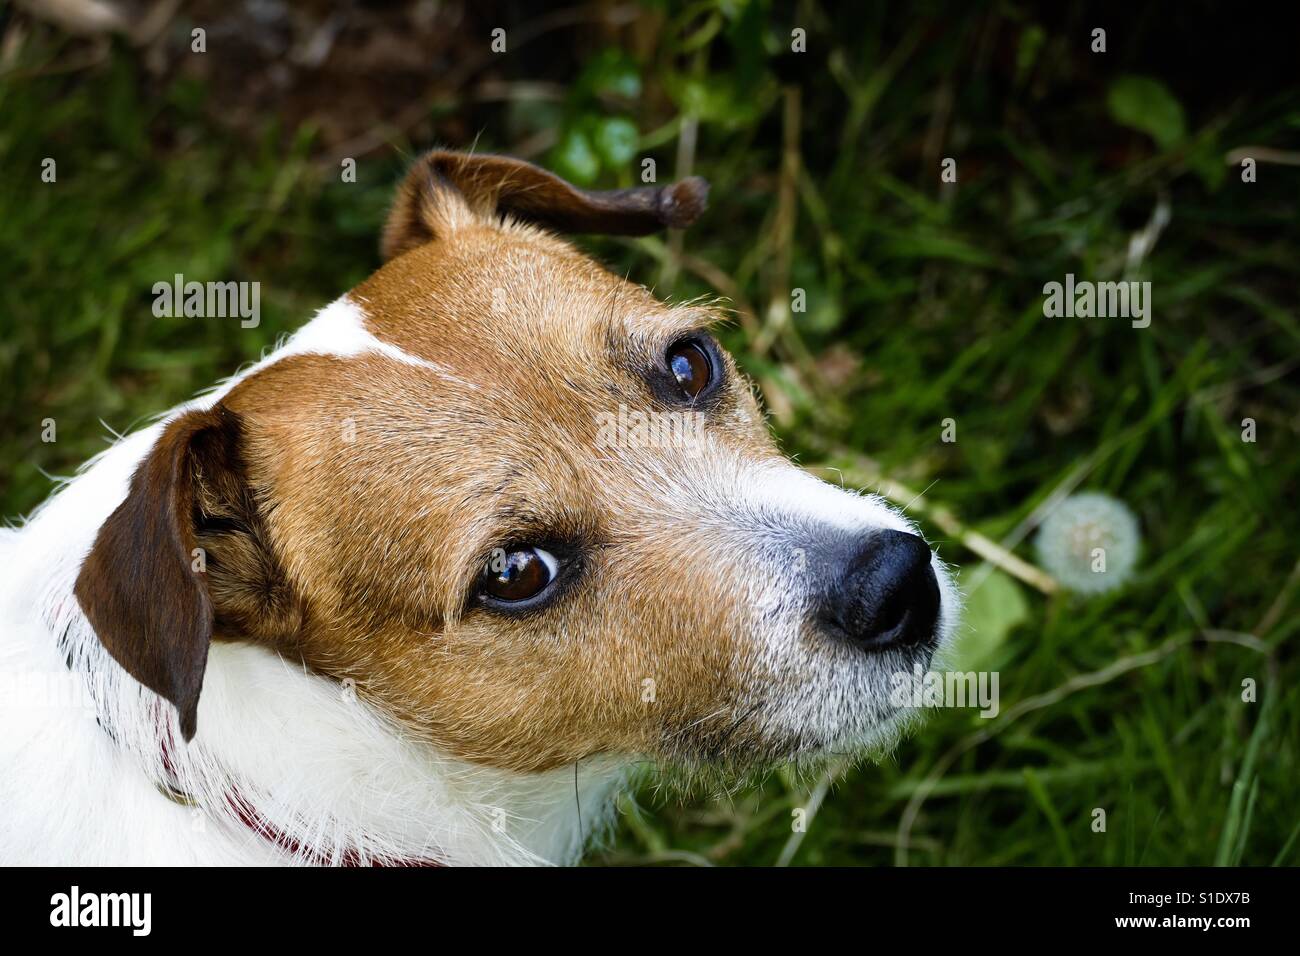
(522, 506)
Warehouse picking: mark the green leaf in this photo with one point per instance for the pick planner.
(612, 73)
(1146, 105)
(1031, 42)
(1205, 159)
(616, 141)
(994, 605)
(575, 159)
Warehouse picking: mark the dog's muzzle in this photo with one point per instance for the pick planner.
(883, 596)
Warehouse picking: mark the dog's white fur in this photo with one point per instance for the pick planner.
(84, 783)
(320, 765)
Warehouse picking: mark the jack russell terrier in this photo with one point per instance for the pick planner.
(392, 597)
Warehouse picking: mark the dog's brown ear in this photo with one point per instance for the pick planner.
(143, 587)
(442, 185)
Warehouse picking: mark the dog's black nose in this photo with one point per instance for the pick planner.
(886, 595)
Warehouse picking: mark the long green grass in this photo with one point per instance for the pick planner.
(924, 303)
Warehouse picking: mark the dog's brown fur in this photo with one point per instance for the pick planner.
(366, 493)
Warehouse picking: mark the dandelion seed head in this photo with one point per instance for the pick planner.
(1090, 543)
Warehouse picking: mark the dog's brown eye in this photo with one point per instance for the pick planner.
(518, 575)
(691, 366)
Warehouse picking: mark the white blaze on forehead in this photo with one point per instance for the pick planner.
(341, 329)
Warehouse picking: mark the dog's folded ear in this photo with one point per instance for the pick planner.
(444, 185)
(144, 587)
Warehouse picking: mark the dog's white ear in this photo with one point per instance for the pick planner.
(445, 188)
(144, 587)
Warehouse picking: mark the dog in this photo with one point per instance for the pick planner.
(397, 595)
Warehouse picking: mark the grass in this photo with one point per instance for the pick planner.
(924, 303)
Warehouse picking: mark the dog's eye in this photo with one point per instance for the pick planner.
(519, 574)
(691, 366)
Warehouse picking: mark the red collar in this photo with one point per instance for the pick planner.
(251, 818)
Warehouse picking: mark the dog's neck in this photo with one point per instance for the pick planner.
(335, 780)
